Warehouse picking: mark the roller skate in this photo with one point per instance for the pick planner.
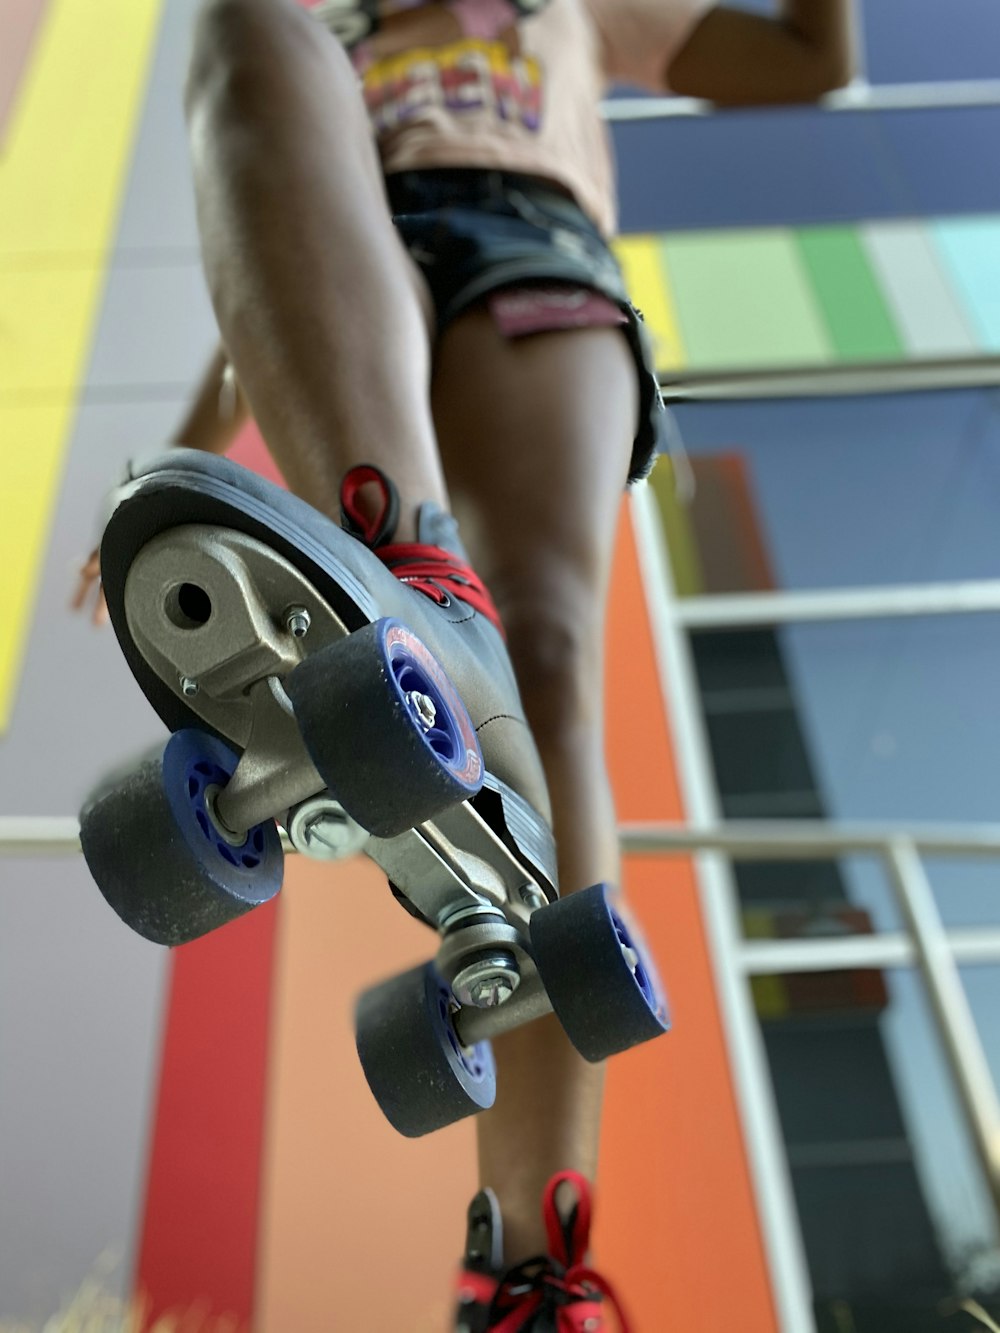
(357, 692)
(555, 1293)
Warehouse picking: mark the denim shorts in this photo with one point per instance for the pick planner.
(472, 232)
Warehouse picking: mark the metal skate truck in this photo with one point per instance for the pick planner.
(357, 692)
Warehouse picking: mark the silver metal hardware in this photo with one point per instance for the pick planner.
(423, 706)
(297, 621)
(532, 897)
(322, 829)
(488, 981)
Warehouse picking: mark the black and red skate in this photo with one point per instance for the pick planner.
(358, 692)
(554, 1293)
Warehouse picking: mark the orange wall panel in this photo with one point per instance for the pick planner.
(676, 1223)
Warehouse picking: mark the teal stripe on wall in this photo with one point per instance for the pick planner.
(970, 252)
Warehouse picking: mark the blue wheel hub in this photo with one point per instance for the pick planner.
(428, 708)
(195, 765)
(435, 708)
(632, 953)
(476, 1061)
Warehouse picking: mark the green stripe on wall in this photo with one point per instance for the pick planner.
(745, 295)
(859, 323)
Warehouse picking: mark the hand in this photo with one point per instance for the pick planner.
(90, 578)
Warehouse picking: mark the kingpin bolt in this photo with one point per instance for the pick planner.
(487, 981)
(297, 621)
(491, 992)
(189, 687)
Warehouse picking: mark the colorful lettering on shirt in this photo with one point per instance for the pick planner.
(470, 75)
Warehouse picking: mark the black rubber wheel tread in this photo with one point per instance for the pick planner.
(411, 1072)
(145, 868)
(363, 740)
(587, 978)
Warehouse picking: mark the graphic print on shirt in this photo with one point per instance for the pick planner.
(462, 56)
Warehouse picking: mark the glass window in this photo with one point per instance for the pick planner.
(812, 899)
(867, 721)
(840, 492)
(897, 1222)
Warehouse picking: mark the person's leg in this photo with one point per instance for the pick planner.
(535, 435)
(322, 311)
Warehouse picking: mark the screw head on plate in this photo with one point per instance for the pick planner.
(297, 621)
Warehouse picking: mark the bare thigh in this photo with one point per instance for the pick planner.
(535, 437)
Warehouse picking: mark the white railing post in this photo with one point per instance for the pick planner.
(782, 1236)
(39, 835)
(963, 1047)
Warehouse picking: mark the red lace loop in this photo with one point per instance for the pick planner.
(568, 1249)
(562, 1282)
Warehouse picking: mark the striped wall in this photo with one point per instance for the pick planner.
(68, 137)
(882, 291)
(201, 1115)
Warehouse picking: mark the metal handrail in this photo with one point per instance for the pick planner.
(761, 839)
(839, 379)
(943, 95)
(750, 840)
(926, 944)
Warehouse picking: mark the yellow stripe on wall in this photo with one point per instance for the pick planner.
(646, 280)
(61, 181)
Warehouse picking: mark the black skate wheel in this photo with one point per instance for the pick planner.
(157, 856)
(598, 974)
(386, 728)
(419, 1073)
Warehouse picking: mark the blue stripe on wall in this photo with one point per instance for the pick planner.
(802, 166)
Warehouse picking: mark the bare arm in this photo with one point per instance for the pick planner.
(739, 59)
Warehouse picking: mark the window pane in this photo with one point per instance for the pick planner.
(895, 1215)
(816, 899)
(890, 721)
(901, 726)
(840, 492)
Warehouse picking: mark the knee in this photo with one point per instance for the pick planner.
(557, 649)
(241, 46)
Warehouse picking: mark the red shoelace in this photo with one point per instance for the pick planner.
(429, 569)
(559, 1282)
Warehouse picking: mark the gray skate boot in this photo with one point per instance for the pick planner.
(358, 692)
